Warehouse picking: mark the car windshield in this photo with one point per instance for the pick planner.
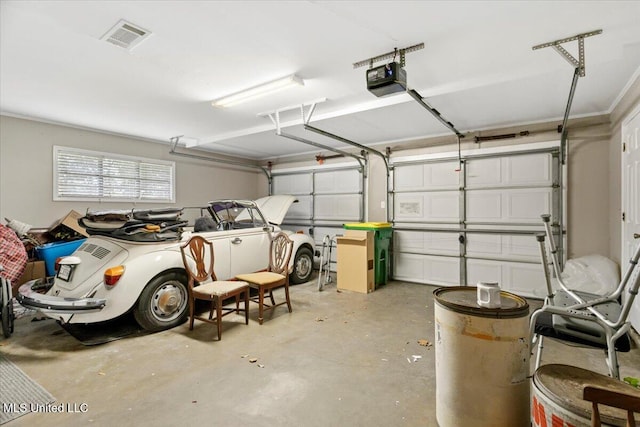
(235, 214)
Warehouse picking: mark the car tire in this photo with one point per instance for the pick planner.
(302, 266)
(163, 303)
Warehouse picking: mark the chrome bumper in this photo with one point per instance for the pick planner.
(52, 304)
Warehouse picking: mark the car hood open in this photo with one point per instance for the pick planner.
(274, 208)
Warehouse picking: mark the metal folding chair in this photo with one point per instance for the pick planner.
(597, 319)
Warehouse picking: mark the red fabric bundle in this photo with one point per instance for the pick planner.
(13, 256)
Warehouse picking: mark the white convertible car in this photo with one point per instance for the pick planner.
(138, 266)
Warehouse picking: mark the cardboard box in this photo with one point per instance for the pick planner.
(355, 261)
(68, 228)
(34, 270)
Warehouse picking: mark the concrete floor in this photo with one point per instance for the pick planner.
(340, 359)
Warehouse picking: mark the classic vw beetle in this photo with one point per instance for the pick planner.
(115, 271)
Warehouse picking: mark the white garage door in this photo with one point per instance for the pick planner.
(459, 223)
(327, 198)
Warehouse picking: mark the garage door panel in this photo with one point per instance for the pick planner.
(484, 271)
(409, 267)
(443, 271)
(484, 206)
(292, 184)
(484, 172)
(337, 181)
(503, 246)
(532, 170)
(438, 176)
(527, 207)
(529, 169)
(520, 278)
(424, 242)
(345, 207)
(508, 205)
(441, 206)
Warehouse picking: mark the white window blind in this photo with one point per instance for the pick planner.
(91, 175)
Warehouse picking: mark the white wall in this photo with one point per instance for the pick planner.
(26, 172)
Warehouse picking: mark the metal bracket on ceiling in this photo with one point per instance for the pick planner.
(311, 104)
(174, 143)
(557, 45)
(275, 118)
(579, 71)
(307, 118)
(389, 55)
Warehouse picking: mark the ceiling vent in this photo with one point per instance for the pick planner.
(126, 35)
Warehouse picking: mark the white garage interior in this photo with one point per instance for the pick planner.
(509, 111)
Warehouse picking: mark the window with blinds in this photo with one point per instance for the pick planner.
(91, 175)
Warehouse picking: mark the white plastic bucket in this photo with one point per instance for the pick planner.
(482, 360)
(489, 295)
(556, 397)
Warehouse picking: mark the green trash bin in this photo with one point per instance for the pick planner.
(382, 241)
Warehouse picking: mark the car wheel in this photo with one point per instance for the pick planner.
(302, 266)
(163, 303)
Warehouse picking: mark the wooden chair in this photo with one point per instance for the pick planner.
(616, 399)
(208, 287)
(276, 276)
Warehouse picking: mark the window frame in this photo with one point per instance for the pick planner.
(57, 150)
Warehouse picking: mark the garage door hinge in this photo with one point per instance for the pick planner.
(624, 147)
(624, 216)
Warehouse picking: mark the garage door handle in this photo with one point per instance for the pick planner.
(236, 241)
(636, 235)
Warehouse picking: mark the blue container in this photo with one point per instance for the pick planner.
(49, 252)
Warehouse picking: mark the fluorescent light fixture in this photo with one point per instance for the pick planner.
(258, 91)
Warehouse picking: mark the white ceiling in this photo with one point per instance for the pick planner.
(477, 67)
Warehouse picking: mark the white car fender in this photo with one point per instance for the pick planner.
(299, 240)
(125, 293)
